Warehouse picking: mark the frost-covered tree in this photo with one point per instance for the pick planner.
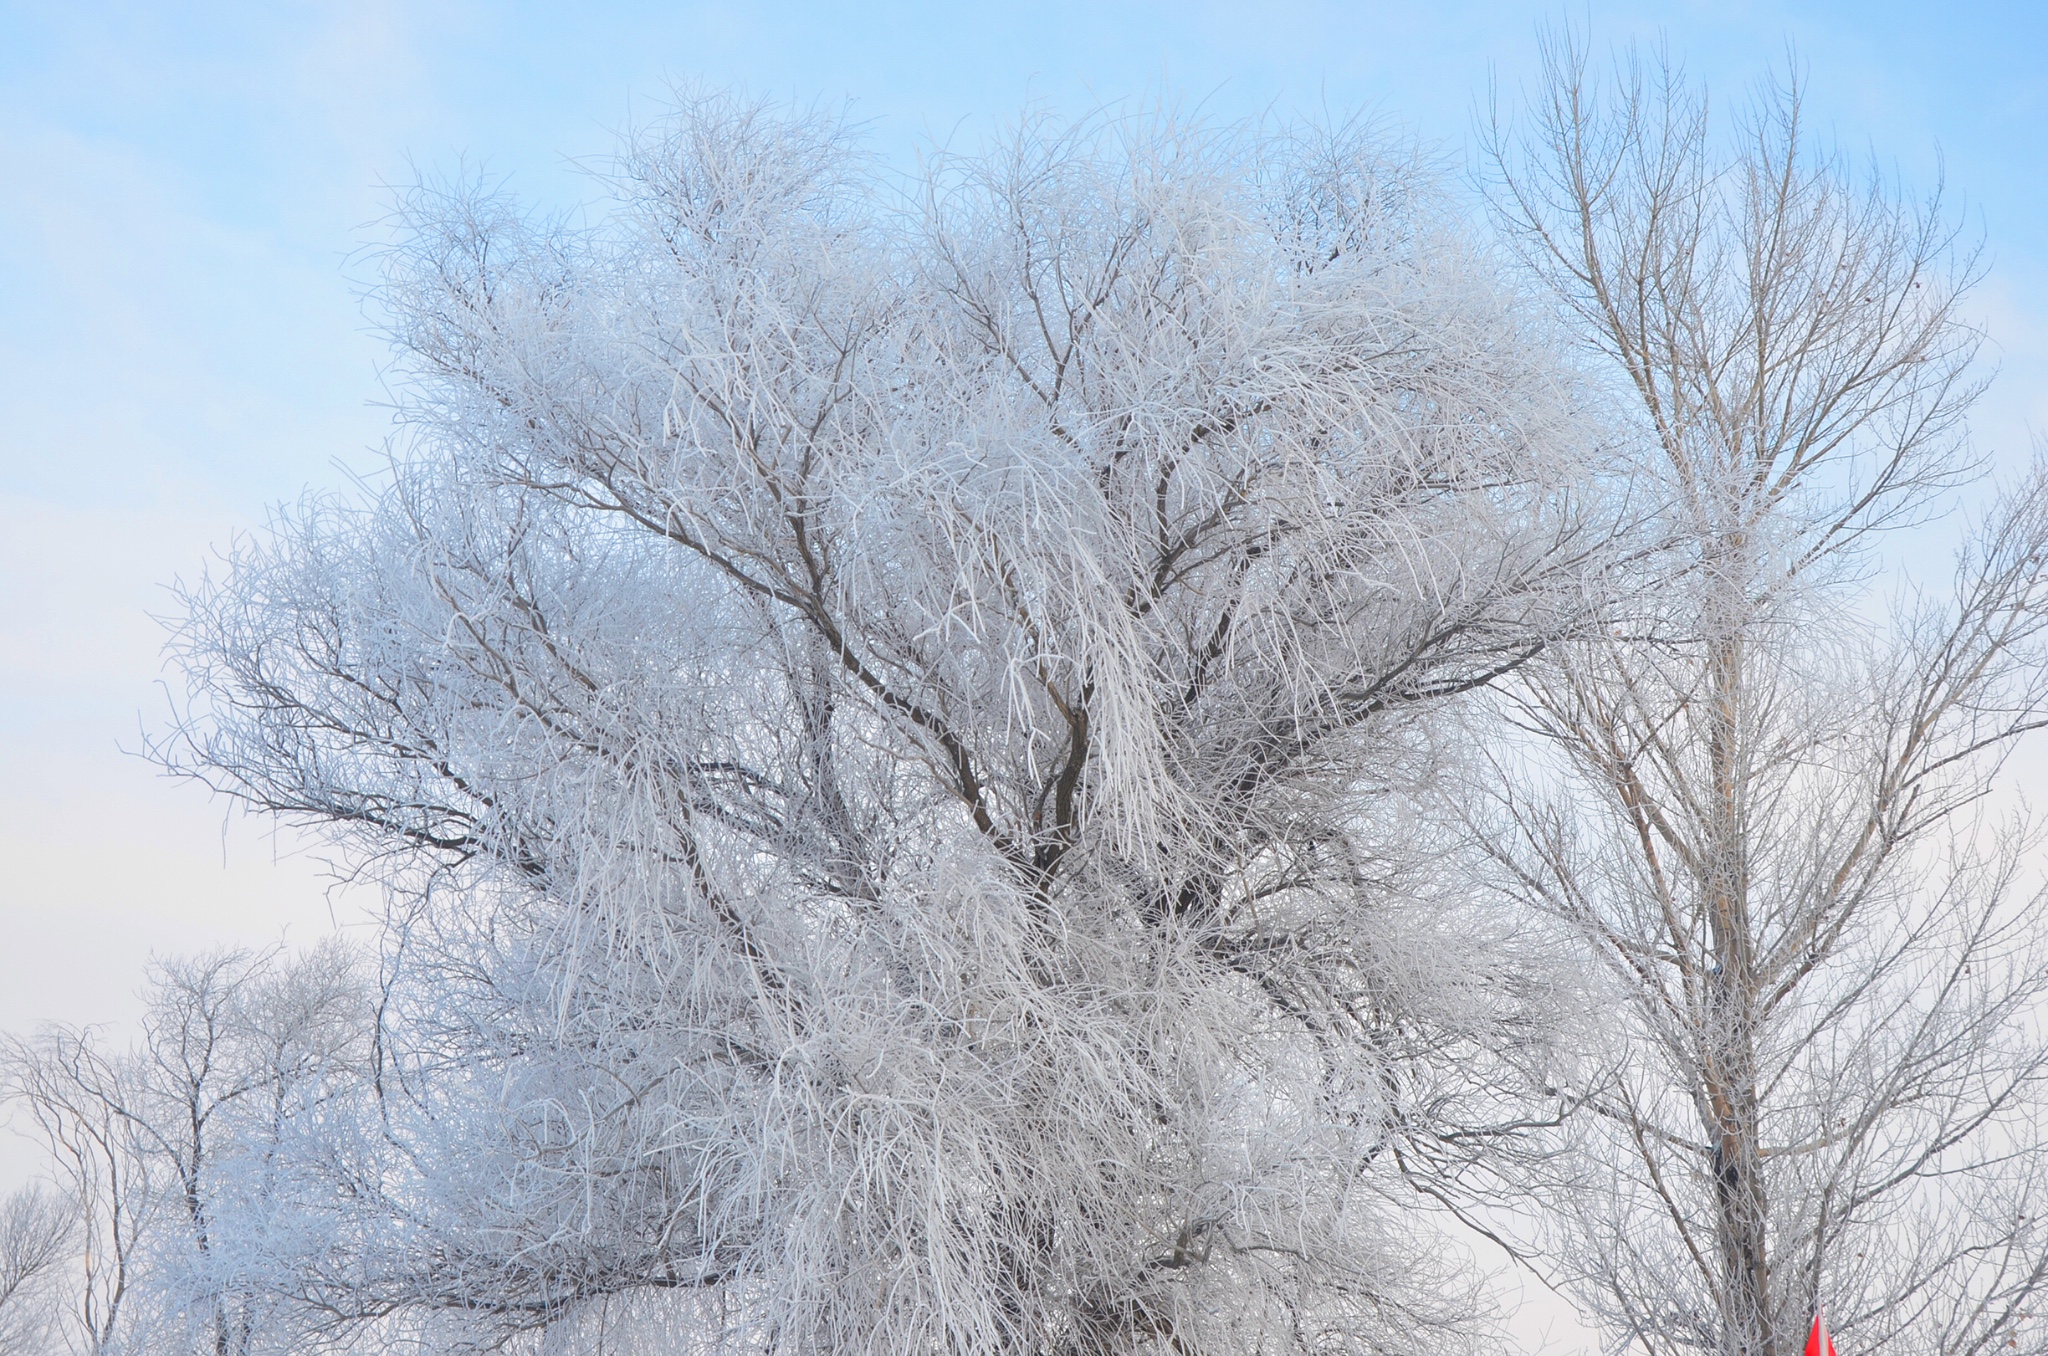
(184, 1156)
(891, 719)
(239, 1053)
(1765, 812)
(36, 1234)
(66, 1089)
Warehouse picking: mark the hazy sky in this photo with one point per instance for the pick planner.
(181, 186)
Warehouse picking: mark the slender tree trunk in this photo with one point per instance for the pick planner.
(1729, 1066)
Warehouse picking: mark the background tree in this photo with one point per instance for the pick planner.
(36, 1229)
(182, 1152)
(892, 723)
(238, 1048)
(1767, 812)
(70, 1089)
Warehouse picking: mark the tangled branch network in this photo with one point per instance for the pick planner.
(893, 716)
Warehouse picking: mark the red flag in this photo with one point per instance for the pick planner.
(1818, 1342)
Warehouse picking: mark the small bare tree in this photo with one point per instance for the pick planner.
(36, 1238)
(72, 1091)
(1762, 814)
(236, 1045)
(176, 1150)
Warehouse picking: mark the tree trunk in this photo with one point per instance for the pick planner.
(1729, 1066)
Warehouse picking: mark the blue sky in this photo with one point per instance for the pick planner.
(180, 342)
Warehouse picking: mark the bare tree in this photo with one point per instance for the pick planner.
(890, 719)
(235, 1046)
(36, 1236)
(1765, 798)
(177, 1149)
(72, 1092)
